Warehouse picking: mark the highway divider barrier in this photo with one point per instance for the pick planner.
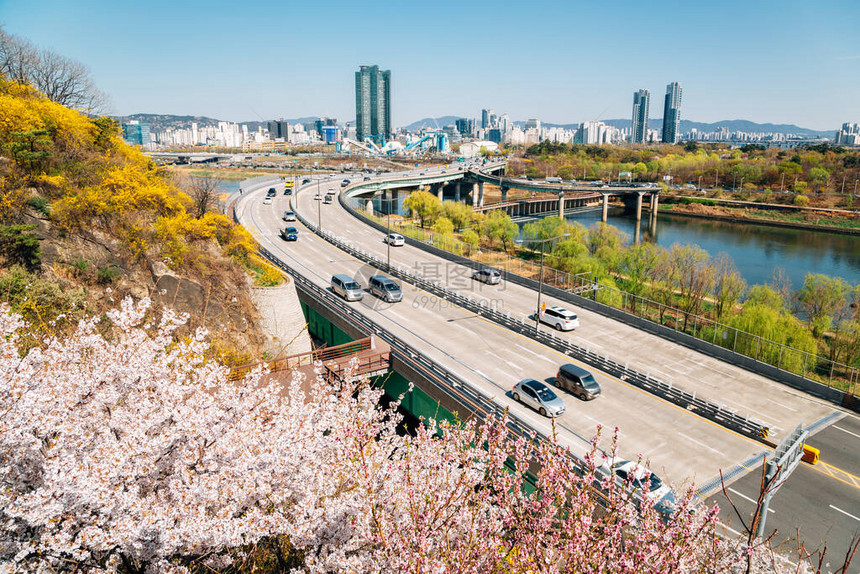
(712, 411)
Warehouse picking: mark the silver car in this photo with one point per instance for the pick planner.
(488, 276)
(346, 287)
(538, 396)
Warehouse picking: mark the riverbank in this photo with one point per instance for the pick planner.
(831, 221)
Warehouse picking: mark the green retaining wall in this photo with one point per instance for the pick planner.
(417, 403)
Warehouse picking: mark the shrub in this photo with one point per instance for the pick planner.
(40, 204)
(801, 200)
(108, 274)
(17, 246)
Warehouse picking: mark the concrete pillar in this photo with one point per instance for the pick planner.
(605, 207)
(474, 195)
(481, 194)
(440, 190)
(638, 209)
(636, 232)
(655, 199)
(457, 191)
(561, 204)
(504, 194)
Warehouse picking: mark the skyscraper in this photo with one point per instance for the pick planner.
(372, 103)
(640, 116)
(672, 113)
(485, 119)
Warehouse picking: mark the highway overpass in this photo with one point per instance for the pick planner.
(679, 445)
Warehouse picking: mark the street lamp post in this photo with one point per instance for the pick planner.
(318, 199)
(540, 281)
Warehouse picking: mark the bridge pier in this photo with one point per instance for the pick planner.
(605, 207)
(655, 198)
(440, 191)
(638, 207)
(474, 195)
(561, 204)
(457, 190)
(504, 193)
(481, 194)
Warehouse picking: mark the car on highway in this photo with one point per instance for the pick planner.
(639, 479)
(395, 240)
(290, 234)
(344, 183)
(346, 287)
(289, 215)
(306, 180)
(366, 178)
(271, 192)
(385, 288)
(538, 396)
(578, 381)
(488, 276)
(267, 200)
(560, 318)
(328, 199)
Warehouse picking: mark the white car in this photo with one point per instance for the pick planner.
(560, 318)
(267, 201)
(394, 239)
(634, 475)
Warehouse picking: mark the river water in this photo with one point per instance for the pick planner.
(755, 249)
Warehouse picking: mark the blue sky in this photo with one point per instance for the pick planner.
(781, 62)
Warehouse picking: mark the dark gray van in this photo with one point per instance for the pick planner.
(346, 287)
(385, 288)
(577, 381)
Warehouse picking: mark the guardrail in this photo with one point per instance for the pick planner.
(713, 411)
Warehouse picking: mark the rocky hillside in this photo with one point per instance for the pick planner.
(86, 220)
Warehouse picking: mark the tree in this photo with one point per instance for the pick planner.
(818, 177)
(639, 169)
(60, 79)
(203, 193)
(423, 205)
(638, 264)
(820, 298)
(500, 227)
(728, 285)
(18, 246)
(458, 213)
(443, 226)
(130, 453)
(694, 275)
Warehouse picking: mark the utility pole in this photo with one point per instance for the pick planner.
(782, 183)
(843, 185)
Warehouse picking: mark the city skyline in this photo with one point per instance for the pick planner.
(780, 63)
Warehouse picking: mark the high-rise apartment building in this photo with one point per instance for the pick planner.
(672, 113)
(372, 103)
(641, 100)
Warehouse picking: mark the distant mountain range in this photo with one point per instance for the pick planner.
(160, 122)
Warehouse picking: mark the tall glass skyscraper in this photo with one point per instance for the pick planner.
(672, 113)
(372, 103)
(641, 100)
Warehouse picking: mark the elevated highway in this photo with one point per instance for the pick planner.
(678, 445)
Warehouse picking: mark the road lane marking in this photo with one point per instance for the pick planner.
(843, 512)
(719, 452)
(845, 430)
(747, 498)
(838, 474)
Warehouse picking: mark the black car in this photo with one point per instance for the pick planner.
(290, 234)
(304, 181)
(271, 192)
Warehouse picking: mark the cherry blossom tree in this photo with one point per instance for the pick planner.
(123, 450)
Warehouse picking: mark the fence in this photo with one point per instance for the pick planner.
(807, 365)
